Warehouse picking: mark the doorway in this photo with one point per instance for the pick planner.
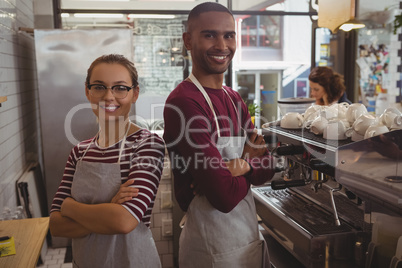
(260, 88)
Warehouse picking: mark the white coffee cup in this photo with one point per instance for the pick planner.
(375, 130)
(354, 111)
(318, 125)
(388, 116)
(354, 136)
(329, 112)
(363, 122)
(340, 109)
(397, 124)
(336, 129)
(343, 105)
(292, 120)
(311, 112)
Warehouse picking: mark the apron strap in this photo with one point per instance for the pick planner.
(89, 145)
(121, 145)
(123, 141)
(206, 97)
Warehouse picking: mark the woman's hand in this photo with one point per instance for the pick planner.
(325, 99)
(125, 193)
(66, 205)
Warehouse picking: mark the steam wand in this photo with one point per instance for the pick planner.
(331, 192)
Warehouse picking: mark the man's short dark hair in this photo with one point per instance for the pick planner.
(205, 7)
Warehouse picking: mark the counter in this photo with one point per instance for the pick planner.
(29, 235)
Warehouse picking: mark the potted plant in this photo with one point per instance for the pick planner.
(397, 22)
(253, 109)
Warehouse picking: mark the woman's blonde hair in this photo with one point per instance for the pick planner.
(114, 58)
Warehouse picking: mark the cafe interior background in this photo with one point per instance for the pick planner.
(46, 46)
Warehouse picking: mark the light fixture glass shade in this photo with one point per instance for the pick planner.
(352, 24)
(151, 16)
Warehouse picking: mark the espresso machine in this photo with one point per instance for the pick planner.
(334, 198)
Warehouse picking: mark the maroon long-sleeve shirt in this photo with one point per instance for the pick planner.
(190, 135)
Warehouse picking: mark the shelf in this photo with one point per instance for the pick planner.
(2, 99)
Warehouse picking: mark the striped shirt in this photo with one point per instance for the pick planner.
(142, 159)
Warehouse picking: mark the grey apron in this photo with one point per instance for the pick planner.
(96, 183)
(211, 238)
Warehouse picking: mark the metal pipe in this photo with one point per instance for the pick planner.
(331, 192)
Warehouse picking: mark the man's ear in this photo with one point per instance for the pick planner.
(187, 40)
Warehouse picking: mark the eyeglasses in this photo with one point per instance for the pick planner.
(118, 91)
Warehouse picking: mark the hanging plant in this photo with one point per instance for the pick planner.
(397, 22)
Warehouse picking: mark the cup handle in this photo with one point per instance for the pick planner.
(349, 132)
(345, 104)
(398, 120)
(369, 134)
(301, 120)
(307, 124)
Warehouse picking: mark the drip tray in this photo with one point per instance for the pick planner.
(393, 179)
(309, 215)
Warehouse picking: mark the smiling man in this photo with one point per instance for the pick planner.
(205, 127)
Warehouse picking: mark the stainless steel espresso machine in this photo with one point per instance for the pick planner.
(337, 203)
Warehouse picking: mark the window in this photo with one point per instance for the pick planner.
(261, 31)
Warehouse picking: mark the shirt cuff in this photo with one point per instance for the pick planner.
(251, 167)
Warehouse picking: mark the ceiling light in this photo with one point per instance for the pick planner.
(352, 24)
(340, 16)
(151, 16)
(65, 15)
(97, 15)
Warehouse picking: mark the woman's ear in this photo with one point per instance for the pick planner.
(136, 92)
(87, 91)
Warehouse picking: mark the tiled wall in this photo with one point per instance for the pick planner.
(163, 211)
(399, 65)
(19, 116)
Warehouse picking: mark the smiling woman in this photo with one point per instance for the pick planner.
(99, 203)
(114, 104)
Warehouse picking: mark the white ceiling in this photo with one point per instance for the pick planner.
(160, 4)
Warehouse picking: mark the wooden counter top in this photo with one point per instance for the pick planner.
(29, 235)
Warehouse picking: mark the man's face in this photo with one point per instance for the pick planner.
(212, 41)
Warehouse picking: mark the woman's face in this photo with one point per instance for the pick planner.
(318, 92)
(108, 107)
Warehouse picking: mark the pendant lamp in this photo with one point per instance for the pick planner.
(333, 14)
(352, 24)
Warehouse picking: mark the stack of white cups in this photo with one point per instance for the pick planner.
(329, 121)
(341, 121)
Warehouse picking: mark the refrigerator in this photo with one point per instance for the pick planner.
(63, 57)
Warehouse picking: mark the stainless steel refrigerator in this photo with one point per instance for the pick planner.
(63, 57)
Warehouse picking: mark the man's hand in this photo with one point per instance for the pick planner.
(255, 146)
(238, 167)
(195, 188)
(125, 193)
